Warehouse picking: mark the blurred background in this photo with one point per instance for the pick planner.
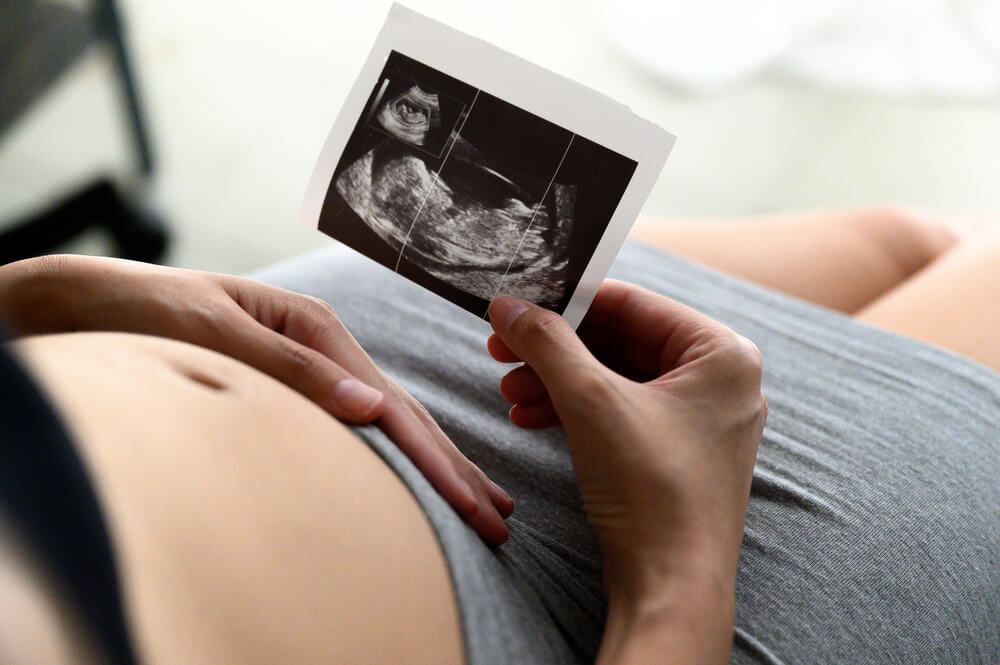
(776, 105)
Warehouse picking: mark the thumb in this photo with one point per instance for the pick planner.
(542, 339)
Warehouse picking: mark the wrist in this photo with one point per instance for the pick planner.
(672, 609)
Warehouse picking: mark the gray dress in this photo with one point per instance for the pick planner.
(873, 529)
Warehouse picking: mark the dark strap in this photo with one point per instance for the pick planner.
(45, 488)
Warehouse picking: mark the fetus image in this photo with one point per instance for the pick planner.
(465, 190)
(411, 115)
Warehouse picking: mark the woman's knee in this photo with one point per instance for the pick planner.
(909, 237)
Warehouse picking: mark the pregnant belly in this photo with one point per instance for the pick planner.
(248, 524)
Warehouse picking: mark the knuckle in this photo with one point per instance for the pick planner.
(538, 324)
(757, 415)
(52, 263)
(758, 405)
(752, 360)
(212, 324)
(422, 414)
(590, 387)
(320, 307)
(740, 361)
(410, 403)
(298, 360)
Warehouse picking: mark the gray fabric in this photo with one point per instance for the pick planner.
(873, 530)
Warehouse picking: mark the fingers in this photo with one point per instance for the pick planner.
(639, 333)
(412, 438)
(478, 500)
(316, 341)
(415, 426)
(473, 500)
(522, 386)
(532, 407)
(545, 341)
(500, 351)
(534, 416)
(306, 371)
(500, 499)
(301, 342)
(648, 332)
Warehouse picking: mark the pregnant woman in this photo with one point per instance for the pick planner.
(178, 485)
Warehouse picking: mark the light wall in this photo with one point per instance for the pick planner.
(241, 95)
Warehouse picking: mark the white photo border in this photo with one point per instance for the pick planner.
(516, 81)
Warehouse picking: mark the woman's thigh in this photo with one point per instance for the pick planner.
(249, 525)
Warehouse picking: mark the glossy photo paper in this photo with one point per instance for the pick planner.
(475, 173)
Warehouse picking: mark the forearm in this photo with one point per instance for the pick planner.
(64, 293)
(683, 616)
(28, 295)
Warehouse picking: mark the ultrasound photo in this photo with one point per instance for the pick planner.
(468, 195)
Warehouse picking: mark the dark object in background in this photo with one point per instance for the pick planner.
(137, 232)
(38, 42)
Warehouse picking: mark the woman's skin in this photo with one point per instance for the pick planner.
(248, 524)
(668, 512)
(675, 591)
(258, 546)
(896, 268)
(38, 623)
(954, 302)
(839, 259)
(296, 339)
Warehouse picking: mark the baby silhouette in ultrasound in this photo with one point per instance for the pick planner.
(411, 115)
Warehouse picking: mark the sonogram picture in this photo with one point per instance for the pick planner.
(475, 173)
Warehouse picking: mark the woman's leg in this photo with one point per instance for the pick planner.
(954, 303)
(248, 524)
(839, 259)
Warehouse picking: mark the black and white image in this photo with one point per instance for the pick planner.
(469, 195)
(445, 181)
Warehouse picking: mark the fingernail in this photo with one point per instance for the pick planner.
(356, 397)
(506, 497)
(504, 494)
(504, 309)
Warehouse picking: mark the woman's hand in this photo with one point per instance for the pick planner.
(294, 338)
(663, 446)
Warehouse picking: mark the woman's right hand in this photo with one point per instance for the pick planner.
(663, 445)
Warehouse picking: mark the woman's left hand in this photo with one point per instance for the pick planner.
(296, 339)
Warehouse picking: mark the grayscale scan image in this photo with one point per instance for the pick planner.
(468, 195)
